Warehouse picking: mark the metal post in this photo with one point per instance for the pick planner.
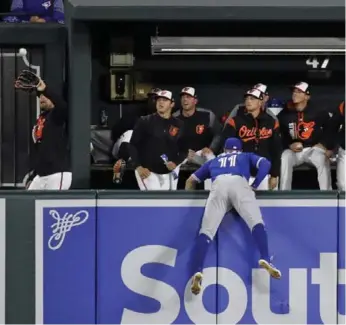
(79, 102)
(54, 62)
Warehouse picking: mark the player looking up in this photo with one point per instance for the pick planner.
(50, 159)
(154, 136)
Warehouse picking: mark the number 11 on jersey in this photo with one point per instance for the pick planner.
(231, 160)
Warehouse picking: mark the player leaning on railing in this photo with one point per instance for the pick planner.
(50, 167)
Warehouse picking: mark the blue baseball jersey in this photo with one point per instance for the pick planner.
(234, 163)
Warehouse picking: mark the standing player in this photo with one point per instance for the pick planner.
(50, 159)
(156, 135)
(122, 133)
(201, 127)
(230, 172)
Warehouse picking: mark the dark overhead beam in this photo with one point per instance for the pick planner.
(228, 10)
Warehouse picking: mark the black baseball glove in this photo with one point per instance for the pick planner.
(27, 81)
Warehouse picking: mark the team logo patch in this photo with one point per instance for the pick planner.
(200, 129)
(246, 134)
(173, 131)
(305, 129)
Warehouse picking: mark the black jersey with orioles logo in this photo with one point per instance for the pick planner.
(154, 136)
(49, 134)
(199, 129)
(307, 126)
(259, 135)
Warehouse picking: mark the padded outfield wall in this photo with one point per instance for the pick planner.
(124, 257)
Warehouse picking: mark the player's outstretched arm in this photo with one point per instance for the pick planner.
(137, 137)
(263, 166)
(198, 176)
(190, 183)
(229, 131)
(60, 110)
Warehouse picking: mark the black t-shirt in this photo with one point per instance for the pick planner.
(50, 135)
(199, 129)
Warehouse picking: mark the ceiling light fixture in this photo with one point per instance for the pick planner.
(246, 46)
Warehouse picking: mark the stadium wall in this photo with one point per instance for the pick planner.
(124, 257)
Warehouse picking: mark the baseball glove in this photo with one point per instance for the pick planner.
(27, 81)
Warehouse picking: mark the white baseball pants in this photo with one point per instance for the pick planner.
(227, 192)
(158, 182)
(57, 181)
(340, 170)
(313, 156)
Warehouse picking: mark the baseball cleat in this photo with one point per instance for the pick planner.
(196, 284)
(271, 269)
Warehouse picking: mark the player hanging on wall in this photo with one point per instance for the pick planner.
(50, 167)
(230, 172)
(155, 146)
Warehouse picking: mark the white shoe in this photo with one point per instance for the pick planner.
(272, 270)
(196, 284)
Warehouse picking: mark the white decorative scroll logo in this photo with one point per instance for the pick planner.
(63, 225)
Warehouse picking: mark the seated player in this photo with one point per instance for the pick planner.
(304, 132)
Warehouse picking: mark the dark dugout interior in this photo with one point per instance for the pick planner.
(220, 81)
